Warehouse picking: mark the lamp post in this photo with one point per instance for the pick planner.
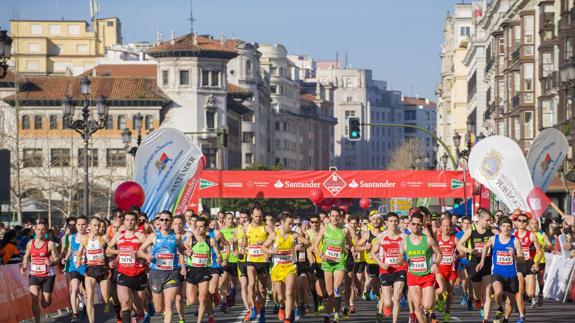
(85, 126)
(444, 159)
(5, 52)
(127, 135)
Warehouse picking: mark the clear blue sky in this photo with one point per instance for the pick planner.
(398, 39)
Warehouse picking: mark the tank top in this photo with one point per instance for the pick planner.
(165, 252)
(214, 262)
(240, 234)
(229, 234)
(129, 264)
(334, 244)
(312, 234)
(256, 238)
(75, 245)
(448, 250)
(370, 239)
(477, 241)
(418, 256)
(201, 253)
(389, 251)
(95, 253)
(527, 246)
(284, 249)
(542, 243)
(503, 262)
(39, 260)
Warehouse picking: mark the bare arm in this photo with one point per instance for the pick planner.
(461, 244)
(484, 254)
(375, 249)
(143, 251)
(318, 238)
(26, 257)
(110, 250)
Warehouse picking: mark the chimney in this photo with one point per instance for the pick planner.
(158, 38)
(194, 39)
(173, 38)
(223, 39)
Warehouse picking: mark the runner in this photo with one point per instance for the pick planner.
(130, 272)
(446, 275)
(316, 273)
(166, 268)
(506, 251)
(463, 264)
(359, 263)
(42, 257)
(178, 227)
(419, 249)
(242, 265)
(93, 246)
(546, 246)
(284, 271)
(230, 270)
(333, 237)
(303, 280)
(216, 264)
(76, 272)
(372, 230)
(386, 252)
(191, 219)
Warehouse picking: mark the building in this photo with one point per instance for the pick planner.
(47, 47)
(421, 112)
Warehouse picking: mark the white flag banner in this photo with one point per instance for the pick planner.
(545, 156)
(498, 163)
(557, 275)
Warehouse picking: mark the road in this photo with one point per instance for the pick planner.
(551, 311)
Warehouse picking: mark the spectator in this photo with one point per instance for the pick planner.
(8, 249)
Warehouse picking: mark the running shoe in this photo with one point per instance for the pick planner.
(224, 308)
(366, 296)
(464, 300)
(477, 304)
(75, 318)
(521, 319)
(470, 304)
(336, 317)
(387, 311)
(432, 317)
(211, 319)
(281, 314)
(533, 303)
(247, 317)
(446, 317)
(297, 314)
(540, 300)
(276, 309)
(372, 296)
(253, 314)
(403, 302)
(378, 317)
(184, 321)
(320, 308)
(481, 313)
(440, 304)
(262, 318)
(498, 315)
(352, 308)
(412, 318)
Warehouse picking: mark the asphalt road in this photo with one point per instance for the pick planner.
(551, 311)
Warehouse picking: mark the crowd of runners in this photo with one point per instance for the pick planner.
(320, 265)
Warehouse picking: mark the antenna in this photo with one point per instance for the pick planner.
(191, 19)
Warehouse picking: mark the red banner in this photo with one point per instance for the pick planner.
(333, 184)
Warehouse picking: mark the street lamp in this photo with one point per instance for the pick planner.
(127, 135)
(457, 140)
(5, 52)
(444, 159)
(85, 126)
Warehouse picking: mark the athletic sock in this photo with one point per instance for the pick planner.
(126, 316)
(315, 299)
(338, 303)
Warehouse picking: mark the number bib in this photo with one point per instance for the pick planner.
(479, 246)
(165, 261)
(447, 260)
(418, 265)
(127, 259)
(38, 269)
(301, 257)
(95, 256)
(78, 255)
(526, 253)
(504, 258)
(283, 257)
(332, 253)
(390, 260)
(199, 260)
(255, 251)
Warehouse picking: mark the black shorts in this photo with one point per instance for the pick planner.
(162, 279)
(349, 263)
(195, 275)
(392, 278)
(510, 285)
(46, 283)
(99, 273)
(243, 269)
(76, 275)
(318, 272)
(216, 271)
(477, 276)
(232, 269)
(262, 268)
(372, 270)
(359, 267)
(302, 267)
(114, 277)
(525, 268)
(137, 283)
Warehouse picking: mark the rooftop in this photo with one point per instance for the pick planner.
(195, 45)
(123, 70)
(417, 101)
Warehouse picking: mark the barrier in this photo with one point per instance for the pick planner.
(15, 297)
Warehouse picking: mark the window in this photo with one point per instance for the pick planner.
(110, 23)
(215, 78)
(516, 37)
(165, 78)
(568, 47)
(464, 31)
(110, 123)
(277, 125)
(25, 122)
(248, 68)
(82, 49)
(548, 113)
(528, 29)
(60, 157)
(115, 157)
(528, 79)
(33, 48)
(548, 63)
(55, 29)
(92, 157)
(184, 77)
(32, 157)
(121, 122)
(32, 65)
(205, 78)
(273, 89)
(210, 119)
(65, 123)
(149, 122)
(36, 29)
(37, 122)
(426, 115)
(517, 128)
(248, 137)
(409, 115)
(249, 158)
(528, 125)
(53, 122)
(74, 29)
(61, 66)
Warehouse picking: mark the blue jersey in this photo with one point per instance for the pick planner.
(503, 261)
(75, 245)
(165, 252)
(214, 264)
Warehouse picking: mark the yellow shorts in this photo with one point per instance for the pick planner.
(280, 272)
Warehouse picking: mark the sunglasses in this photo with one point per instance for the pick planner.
(416, 224)
(313, 222)
(164, 220)
(522, 221)
(143, 220)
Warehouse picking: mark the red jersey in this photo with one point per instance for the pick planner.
(389, 251)
(128, 262)
(527, 245)
(40, 260)
(448, 249)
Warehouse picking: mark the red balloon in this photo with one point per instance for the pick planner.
(129, 194)
(364, 203)
(316, 195)
(344, 208)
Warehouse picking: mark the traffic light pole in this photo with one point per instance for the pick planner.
(429, 133)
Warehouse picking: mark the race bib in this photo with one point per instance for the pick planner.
(301, 257)
(479, 246)
(526, 254)
(504, 258)
(447, 260)
(390, 260)
(95, 256)
(283, 257)
(332, 253)
(418, 265)
(255, 251)
(126, 259)
(200, 260)
(38, 269)
(165, 261)
(77, 255)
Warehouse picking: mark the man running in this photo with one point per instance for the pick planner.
(230, 270)
(317, 275)
(446, 275)
(166, 268)
(463, 264)
(546, 246)
(76, 272)
(42, 256)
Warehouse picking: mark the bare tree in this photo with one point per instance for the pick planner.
(404, 157)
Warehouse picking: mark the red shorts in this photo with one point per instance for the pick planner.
(448, 272)
(421, 281)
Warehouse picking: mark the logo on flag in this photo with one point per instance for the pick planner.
(206, 184)
(162, 162)
(334, 184)
(545, 163)
(491, 164)
(455, 184)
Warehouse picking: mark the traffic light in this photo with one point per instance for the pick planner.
(354, 129)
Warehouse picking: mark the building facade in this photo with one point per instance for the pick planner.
(421, 112)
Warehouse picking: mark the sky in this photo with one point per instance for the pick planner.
(399, 40)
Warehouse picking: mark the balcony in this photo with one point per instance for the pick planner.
(515, 101)
(550, 82)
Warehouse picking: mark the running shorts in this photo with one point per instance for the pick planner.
(163, 279)
(302, 267)
(392, 278)
(477, 276)
(280, 272)
(242, 269)
(232, 268)
(421, 281)
(525, 268)
(447, 272)
(195, 275)
(99, 273)
(317, 271)
(331, 267)
(46, 283)
(359, 267)
(262, 268)
(510, 285)
(372, 270)
(137, 283)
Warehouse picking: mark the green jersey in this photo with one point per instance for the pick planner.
(229, 234)
(418, 256)
(333, 244)
(201, 253)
